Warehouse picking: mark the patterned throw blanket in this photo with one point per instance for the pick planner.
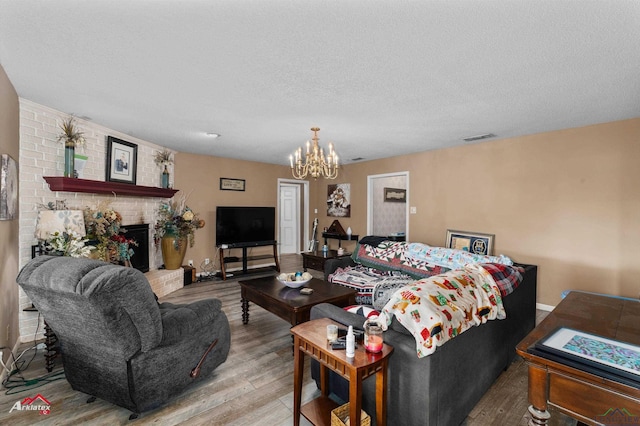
(437, 309)
(369, 282)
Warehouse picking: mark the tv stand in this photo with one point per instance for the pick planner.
(245, 259)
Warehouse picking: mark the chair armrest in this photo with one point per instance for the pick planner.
(327, 310)
(180, 322)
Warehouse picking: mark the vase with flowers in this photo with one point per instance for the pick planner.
(163, 159)
(67, 243)
(103, 225)
(72, 138)
(174, 229)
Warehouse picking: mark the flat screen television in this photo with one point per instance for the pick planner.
(245, 226)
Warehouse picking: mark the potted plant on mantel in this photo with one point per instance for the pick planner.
(175, 226)
(164, 158)
(72, 138)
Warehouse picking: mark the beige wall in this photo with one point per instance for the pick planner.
(9, 144)
(568, 201)
(199, 177)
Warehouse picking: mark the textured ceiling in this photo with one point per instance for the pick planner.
(380, 78)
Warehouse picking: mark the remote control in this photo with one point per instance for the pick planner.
(339, 345)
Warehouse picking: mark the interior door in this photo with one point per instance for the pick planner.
(289, 218)
(386, 217)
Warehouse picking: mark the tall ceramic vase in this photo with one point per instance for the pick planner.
(173, 250)
(165, 177)
(69, 159)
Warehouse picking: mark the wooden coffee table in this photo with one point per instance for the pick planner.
(288, 303)
(584, 393)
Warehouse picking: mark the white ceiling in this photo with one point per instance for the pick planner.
(380, 78)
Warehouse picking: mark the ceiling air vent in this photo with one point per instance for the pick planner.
(479, 137)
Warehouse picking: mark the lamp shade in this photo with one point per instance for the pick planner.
(51, 221)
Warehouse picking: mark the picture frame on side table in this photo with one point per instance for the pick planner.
(122, 161)
(612, 357)
(474, 242)
(230, 184)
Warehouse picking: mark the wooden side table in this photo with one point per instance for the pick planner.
(317, 259)
(576, 390)
(310, 338)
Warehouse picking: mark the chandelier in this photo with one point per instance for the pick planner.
(315, 163)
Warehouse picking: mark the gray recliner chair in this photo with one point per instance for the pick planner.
(117, 342)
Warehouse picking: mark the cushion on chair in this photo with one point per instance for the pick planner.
(363, 310)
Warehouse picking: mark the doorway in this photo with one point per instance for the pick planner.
(293, 215)
(387, 216)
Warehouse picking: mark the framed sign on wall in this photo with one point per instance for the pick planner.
(229, 184)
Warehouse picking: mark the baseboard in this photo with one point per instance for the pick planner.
(544, 307)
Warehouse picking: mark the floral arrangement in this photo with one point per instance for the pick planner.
(163, 158)
(103, 225)
(68, 244)
(70, 135)
(176, 218)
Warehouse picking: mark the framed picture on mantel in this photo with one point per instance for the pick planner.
(122, 161)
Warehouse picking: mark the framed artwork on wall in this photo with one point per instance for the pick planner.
(474, 242)
(122, 161)
(338, 200)
(229, 184)
(8, 187)
(395, 195)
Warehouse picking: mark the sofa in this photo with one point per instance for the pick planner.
(117, 342)
(441, 388)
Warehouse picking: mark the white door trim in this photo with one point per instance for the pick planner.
(304, 226)
(370, 179)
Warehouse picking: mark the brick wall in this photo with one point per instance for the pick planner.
(42, 155)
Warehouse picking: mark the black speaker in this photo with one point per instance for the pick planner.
(189, 274)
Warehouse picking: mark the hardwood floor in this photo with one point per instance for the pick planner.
(253, 387)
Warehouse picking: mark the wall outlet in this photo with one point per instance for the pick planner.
(190, 262)
(207, 261)
(413, 210)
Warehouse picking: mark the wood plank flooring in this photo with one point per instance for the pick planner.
(253, 387)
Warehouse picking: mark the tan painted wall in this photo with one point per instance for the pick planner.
(9, 144)
(199, 176)
(568, 201)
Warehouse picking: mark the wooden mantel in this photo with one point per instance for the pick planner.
(67, 184)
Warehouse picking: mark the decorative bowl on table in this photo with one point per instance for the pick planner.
(294, 279)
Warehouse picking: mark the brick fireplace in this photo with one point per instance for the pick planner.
(42, 155)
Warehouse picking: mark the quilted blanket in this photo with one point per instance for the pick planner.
(371, 285)
(395, 256)
(437, 309)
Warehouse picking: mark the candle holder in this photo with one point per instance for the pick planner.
(373, 338)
